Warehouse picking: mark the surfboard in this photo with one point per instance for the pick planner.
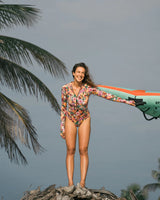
(149, 100)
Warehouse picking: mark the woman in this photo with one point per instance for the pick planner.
(76, 95)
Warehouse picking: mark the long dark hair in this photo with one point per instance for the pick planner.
(87, 78)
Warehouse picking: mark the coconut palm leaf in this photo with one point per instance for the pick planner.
(134, 192)
(19, 124)
(132, 195)
(13, 14)
(21, 80)
(12, 149)
(15, 123)
(159, 164)
(156, 175)
(7, 142)
(151, 187)
(18, 50)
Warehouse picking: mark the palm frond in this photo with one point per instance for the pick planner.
(14, 14)
(21, 80)
(19, 124)
(7, 141)
(156, 175)
(132, 195)
(159, 163)
(12, 149)
(18, 50)
(151, 187)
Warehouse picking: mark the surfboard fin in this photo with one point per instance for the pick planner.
(148, 119)
(140, 102)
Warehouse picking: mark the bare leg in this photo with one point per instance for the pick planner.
(84, 136)
(70, 134)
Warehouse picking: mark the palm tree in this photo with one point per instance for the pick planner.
(15, 122)
(133, 191)
(156, 176)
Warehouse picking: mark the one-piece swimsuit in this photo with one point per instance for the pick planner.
(77, 110)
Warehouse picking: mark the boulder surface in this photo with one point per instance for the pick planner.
(53, 193)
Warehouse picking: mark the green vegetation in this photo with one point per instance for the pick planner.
(136, 189)
(154, 186)
(136, 192)
(15, 122)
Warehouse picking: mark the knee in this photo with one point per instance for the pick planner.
(71, 151)
(83, 151)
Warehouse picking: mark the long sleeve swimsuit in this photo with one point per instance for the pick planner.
(77, 110)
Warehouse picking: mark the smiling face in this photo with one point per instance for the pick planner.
(79, 74)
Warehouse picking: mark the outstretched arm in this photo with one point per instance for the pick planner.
(110, 97)
(63, 111)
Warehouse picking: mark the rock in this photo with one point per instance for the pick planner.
(58, 197)
(52, 193)
(121, 199)
(66, 198)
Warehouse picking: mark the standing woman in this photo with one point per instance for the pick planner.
(76, 95)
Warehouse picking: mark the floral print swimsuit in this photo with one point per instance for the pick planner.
(78, 104)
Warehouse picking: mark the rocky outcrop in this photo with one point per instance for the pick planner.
(53, 193)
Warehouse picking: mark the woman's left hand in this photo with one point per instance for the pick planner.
(136, 102)
(63, 135)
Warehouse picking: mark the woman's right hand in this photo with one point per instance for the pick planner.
(63, 135)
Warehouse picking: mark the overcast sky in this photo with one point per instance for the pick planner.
(120, 42)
